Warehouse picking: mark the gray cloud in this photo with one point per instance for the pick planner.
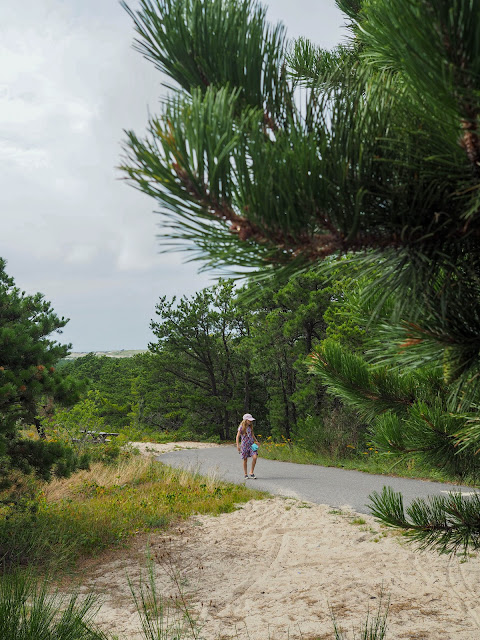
(70, 84)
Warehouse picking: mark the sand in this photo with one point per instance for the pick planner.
(275, 568)
(154, 449)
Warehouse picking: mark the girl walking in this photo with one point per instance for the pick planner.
(247, 444)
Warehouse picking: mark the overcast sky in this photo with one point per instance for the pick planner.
(70, 83)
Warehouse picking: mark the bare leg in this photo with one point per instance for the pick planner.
(245, 460)
(254, 462)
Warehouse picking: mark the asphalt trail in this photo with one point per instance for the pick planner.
(312, 483)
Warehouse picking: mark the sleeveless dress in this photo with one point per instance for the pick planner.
(247, 440)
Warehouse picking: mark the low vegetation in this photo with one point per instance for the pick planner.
(30, 610)
(367, 459)
(374, 627)
(103, 507)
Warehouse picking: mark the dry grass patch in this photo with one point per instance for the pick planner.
(125, 472)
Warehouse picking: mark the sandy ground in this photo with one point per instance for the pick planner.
(274, 569)
(153, 449)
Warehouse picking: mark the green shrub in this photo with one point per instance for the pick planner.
(46, 458)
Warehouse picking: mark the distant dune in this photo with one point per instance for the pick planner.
(122, 353)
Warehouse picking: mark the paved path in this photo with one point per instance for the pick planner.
(312, 483)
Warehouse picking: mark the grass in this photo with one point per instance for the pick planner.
(162, 618)
(93, 510)
(28, 611)
(358, 520)
(374, 628)
(369, 461)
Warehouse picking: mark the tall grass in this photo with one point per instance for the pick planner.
(29, 612)
(159, 618)
(104, 507)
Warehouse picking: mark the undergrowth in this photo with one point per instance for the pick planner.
(105, 506)
(369, 461)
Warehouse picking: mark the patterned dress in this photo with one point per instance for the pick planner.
(247, 440)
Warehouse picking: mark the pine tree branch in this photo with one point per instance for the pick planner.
(449, 524)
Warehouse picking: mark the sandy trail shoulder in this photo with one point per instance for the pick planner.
(153, 448)
(273, 568)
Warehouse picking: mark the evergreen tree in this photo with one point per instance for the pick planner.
(288, 322)
(196, 339)
(287, 158)
(28, 378)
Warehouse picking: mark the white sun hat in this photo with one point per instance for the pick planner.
(248, 416)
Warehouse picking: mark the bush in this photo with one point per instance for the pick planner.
(337, 434)
(108, 453)
(46, 458)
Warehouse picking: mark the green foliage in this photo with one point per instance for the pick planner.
(196, 339)
(336, 434)
(28, 354)
(103, 507)
(83, 416)
(345, 318)
(28, 611)
(407, 411)
(444, 50)
(372, 390)
(45, 458)
(29, 380)
(350, 7)
(287, 323)
(430, 432)
(170, 31)
(112, 379)
(446, 523)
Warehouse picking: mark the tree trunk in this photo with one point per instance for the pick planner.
(226, 426)
(39, 428)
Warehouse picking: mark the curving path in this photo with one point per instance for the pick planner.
(312, 483)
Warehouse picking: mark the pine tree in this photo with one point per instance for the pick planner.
(28, 377)
(270, 156)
